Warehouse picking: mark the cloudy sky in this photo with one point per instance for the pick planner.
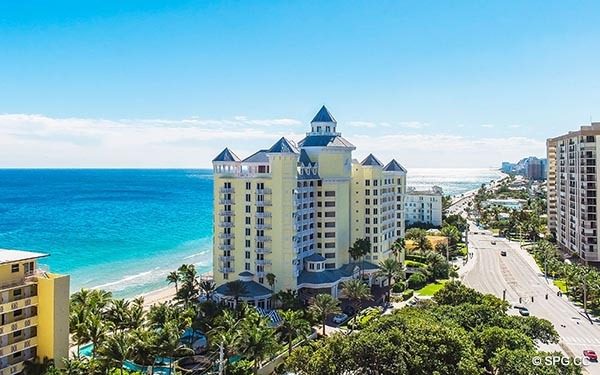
(169, 84)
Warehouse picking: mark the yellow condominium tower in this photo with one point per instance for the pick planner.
(285, 217)
(34, 312)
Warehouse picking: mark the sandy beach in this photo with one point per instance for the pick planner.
(165, 294)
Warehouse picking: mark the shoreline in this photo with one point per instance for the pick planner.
(164, 294)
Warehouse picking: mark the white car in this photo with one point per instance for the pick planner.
(340, 318)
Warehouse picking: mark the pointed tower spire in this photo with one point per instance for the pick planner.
(323, 123)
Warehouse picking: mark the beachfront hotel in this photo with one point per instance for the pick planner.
(572, 190)
(34, 312)
(293, 211)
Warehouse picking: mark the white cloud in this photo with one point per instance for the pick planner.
(514, 126)
(40, 141)
(489, 126)
(362, 124)
(414, 124)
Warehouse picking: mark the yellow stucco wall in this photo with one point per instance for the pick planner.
(53, 317)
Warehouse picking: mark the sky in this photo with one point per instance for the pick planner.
(171, 83)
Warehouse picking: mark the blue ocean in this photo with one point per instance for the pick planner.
(125, 230)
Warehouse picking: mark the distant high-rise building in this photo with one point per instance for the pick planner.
(507, 167)
(286, 216)
(572, 190)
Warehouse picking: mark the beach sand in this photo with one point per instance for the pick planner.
(165, 294)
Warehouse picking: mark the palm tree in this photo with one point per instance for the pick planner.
(236, 289)
(117, 349)
(293, 325)
(258, 342)
(398, 247)
(208, 287)
(118, 313)
(271, 279)
(173, 278)
(356, 291)
(168, 343)
(452, 233)
(95, 331)
(324, 305)
(391, 269)
(35, 367)
(422, 244)
(359, 249)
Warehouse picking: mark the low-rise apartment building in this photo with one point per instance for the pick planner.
(424, 206)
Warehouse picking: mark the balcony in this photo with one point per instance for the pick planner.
(227, 236)
(262, 262)
(262, 250)
(18, 325)
(226, 247)
(226, 269)
(226, 213)
(18, 346)
(14, 368)
(225, 224)
(263, 203)
(226, 258)
(263, 191)
(18, 304)
(262, 214)
(263, 238)
(227, 190)
(263, 226)
(225, 201)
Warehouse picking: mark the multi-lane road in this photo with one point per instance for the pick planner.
(517, 276)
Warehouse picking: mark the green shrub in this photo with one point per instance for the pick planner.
(415, 264)
(407, 294)
(415, 258)
(399, 287)
(417, 280)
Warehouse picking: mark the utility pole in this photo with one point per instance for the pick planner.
(221, 360)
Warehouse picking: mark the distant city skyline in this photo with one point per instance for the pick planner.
(148, 84)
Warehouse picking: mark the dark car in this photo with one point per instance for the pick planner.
(348, 310)
(503, 253)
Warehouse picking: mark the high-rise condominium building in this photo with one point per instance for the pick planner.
(285, 217)
(34, 312)
(572, 183)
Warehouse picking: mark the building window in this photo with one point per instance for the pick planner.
(367, 182)
(247, 221)
(247, 231)
(247, 209)
(247, 266)
(14, 268)
(330, 193)
(247, 243)
(330, 214)
(247, 255)
(330, 204)
(329, 224)
(330, 245)
(329, 234)
(248, 199)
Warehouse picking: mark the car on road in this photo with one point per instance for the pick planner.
(503, 253)
(340, 318)
(590, 355)
(493, 242)
(524, 311)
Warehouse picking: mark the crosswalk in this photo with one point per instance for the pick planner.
(578, 340)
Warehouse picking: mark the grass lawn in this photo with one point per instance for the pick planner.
(431, 288)
(561, 285)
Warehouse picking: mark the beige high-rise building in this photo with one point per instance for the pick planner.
(572, 183)
(292, 211)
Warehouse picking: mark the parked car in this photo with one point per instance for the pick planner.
(493, 242)
(340, 318)
(348, 310)
(524, 311)
(590, 355)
